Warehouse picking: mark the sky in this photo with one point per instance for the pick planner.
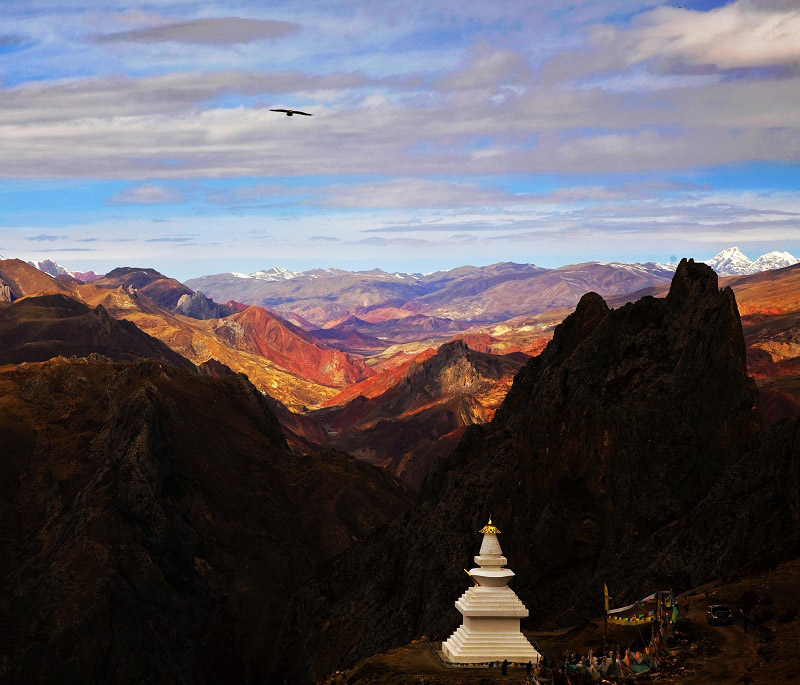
(443, 132)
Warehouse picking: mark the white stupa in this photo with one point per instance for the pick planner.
(490, 629)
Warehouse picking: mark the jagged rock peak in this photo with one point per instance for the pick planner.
(692, 279)
(454, 348)
(591, 310)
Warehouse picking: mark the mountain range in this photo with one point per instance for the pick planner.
(445, 300)
(325, 383)
(327, 297)
(179, 496)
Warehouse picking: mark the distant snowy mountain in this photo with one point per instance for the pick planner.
(733, 262)
(774, 260)
(276, 273)
(652, 268)
(51, 268)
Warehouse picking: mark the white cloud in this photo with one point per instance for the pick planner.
(147, 194)
(489, 69)
(418, 192)
(493, 114)
(738, 35)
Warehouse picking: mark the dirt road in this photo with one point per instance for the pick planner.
(737, 651)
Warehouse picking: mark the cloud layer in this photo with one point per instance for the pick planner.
(214, 31)
(489, 127)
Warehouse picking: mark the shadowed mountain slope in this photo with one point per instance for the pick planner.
(35, 329)
(154, 524)
(619, 441)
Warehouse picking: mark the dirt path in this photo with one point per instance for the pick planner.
(737, 651)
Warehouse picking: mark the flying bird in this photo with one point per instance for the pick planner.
(292, 112)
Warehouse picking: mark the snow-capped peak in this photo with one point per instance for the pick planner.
(51, 268)
(774, 260)
(652, 268)
(669, 266)
(276, 273)
(731, 262)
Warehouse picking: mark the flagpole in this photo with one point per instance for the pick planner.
(605, 622)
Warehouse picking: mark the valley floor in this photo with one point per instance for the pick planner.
(768, 653)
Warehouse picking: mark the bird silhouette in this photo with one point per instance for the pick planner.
(292, 112)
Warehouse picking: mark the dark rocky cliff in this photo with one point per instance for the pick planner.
(610, 459)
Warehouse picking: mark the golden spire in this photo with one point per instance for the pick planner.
(489, 528)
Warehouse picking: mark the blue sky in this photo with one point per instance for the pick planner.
(444, 132)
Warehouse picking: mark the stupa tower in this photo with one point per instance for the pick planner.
(492, 612)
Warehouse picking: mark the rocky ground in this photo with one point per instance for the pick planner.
(768, 653)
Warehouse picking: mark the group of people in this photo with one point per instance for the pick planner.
(590, 668)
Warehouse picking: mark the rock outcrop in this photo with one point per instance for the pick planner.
(198, 306)
(609, 460)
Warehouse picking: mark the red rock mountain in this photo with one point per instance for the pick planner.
(194, 339)
(386, 376)
(291, 347)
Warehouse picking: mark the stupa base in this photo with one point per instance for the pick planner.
(473, 646)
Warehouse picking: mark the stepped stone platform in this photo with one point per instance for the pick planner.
(492, 611)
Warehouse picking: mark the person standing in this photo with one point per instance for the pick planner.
(504, 669)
